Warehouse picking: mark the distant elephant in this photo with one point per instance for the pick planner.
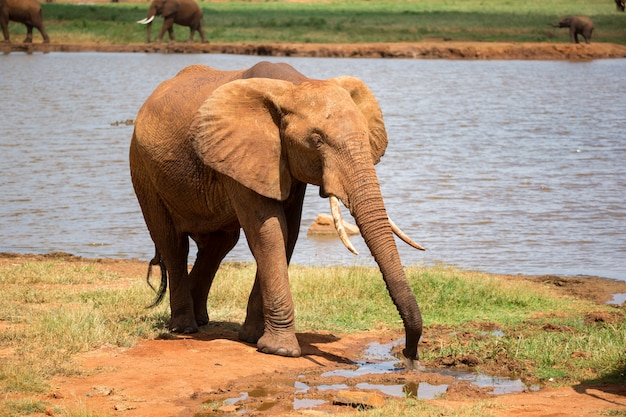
(181, 12)
(620, 5)
(215, 151)
(27, 12)
(577, 25)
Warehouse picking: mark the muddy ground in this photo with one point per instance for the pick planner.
(193, 375)
(434, 49)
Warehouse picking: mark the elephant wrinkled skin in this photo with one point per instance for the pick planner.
(214, 152)
(27, 12)
(578, 25)
(181, 12)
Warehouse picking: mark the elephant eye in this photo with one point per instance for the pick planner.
(317, 139)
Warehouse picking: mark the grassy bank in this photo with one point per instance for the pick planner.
(342, 21)
(53, 310)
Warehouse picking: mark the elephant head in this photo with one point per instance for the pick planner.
(162, 8)
(327, 133)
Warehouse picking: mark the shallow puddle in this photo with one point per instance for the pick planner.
(618, 299)
(378, 361)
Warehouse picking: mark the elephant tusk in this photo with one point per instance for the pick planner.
(403, 236)
(335, 210)
(146, 20)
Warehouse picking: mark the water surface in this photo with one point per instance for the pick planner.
(501, 166)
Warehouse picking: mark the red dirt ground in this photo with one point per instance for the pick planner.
(193, 375)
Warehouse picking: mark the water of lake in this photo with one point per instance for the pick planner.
(501, 166)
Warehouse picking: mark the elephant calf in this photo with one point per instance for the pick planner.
(578, 25)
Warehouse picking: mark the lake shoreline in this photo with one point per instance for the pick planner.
(600, 290)
(403, 50)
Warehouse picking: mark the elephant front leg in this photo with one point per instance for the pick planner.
(168, 24)
(265, 226)
(29, 34)
(252, 328)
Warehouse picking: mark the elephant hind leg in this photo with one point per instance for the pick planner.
(212, 249)
(44, 34)
(171, 244)
(174, 248)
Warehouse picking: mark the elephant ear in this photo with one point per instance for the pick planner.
(236, 132)
(365, 100)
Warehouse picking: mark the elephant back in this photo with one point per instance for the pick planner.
(276, 71)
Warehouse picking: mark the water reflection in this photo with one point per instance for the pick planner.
(501, 166)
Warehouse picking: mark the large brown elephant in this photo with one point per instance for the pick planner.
(181, 12)
(215, 151)
(27, 12)
(578, 25)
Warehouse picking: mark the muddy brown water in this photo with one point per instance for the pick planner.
(502, 166)
(379, 371)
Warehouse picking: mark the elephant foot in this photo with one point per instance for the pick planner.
(202, 319)
(281, 345)
(251, 332)
(182, 326)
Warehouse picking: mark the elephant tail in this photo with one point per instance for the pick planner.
(160, 293)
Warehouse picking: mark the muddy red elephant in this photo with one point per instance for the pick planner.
(27, 12)
(214, 152)
(180, 12)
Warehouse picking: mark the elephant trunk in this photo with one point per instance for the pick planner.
(367, 207)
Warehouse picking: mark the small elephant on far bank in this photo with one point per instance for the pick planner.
(27, 12)
(578, 25)
(620, 5)
(181, 12)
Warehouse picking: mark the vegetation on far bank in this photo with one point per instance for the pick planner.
(339, 21)
(55, 309)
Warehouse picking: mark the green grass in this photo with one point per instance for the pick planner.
(53, 310)
(341, 21)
